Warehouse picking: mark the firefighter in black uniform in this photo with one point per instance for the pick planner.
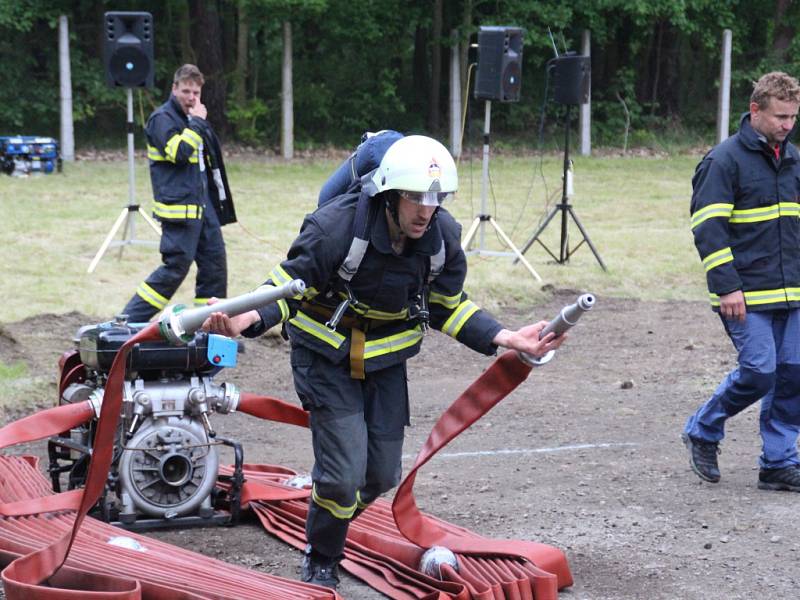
(351, 374)
(186, 171)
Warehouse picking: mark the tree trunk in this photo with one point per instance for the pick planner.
(184, 23)
(436, 68)
(206, 38)
(466, 29)
(287, 95)
(784, 30)
(240, 75)
(420, 73)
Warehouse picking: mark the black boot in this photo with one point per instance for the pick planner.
(703, 457)
(787, 479)
(319, 569)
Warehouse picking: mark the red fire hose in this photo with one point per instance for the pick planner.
(383, 547)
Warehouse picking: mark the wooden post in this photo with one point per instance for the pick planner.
(287, 95)
(67, 140)
(724, 104)
(455, 96)
(586, 108)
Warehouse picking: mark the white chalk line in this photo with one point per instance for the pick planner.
(530, 450)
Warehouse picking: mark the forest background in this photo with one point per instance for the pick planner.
(371, 64)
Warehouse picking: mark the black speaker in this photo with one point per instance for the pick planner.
(128, 49)
(572, 77)
(499, 64)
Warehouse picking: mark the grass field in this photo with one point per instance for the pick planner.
(634, 209)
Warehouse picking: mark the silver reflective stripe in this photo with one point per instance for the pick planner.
(437, 264)
(354, 257)
(220, 186)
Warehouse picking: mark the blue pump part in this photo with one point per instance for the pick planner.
(222, 351)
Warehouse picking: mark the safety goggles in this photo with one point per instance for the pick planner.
(425, 198)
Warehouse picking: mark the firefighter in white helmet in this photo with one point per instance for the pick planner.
(381, 264)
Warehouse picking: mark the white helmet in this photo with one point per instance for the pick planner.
(419, 165)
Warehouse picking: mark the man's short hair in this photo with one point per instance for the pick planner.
(776, 85)
(188, 73)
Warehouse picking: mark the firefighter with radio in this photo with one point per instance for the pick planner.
(382, 264)
(191, 199)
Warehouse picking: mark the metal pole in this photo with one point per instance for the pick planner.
(131, 179)
(564, 254)
(455, 96)
(485, 175)
(586, 108)
(724, 100)
(65, 77)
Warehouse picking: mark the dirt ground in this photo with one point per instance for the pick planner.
(585, 456)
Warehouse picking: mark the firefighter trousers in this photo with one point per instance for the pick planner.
(183, 242)
(357, 429)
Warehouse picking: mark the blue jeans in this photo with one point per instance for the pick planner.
(768, 343)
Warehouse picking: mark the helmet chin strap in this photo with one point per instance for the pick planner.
(391, 199)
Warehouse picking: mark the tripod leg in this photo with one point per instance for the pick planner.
(107, 242)
(516, 251)
(149, 220)
(539, 231)
(470, 233)
(586, 237)
(128, 234)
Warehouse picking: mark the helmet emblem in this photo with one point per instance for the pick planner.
(434, 171)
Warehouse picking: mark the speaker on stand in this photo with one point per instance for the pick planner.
(571, 75)
(128, 61)
(499, 78)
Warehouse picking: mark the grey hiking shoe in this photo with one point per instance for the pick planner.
(320, 570)
(787, 479)
(703, 457)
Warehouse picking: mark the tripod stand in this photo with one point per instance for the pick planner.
(479, 222)
(126, 217)
(565, 208)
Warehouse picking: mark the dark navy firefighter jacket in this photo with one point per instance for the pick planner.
(180, 187)
(746, 220)
(385, 286)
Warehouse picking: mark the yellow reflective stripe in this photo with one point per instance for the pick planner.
(379, 315)
(449, 302)
(711, 211)
(757, 297)
(765, 296)
(359, 502)
(789, 209)
(191, 137)
(337, 510)
(171, 149)
(279, 275)
(154, 154)
(177, 211)
(317, 329)
(193, 159)
(392, 343)
(284, 306)
(459, 317)
(152, 297)
(715, 259)
(200, 301)
(755, 215)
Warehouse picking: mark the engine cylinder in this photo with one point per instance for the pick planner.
(168, 467)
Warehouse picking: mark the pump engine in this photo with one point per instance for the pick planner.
(166, 459)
